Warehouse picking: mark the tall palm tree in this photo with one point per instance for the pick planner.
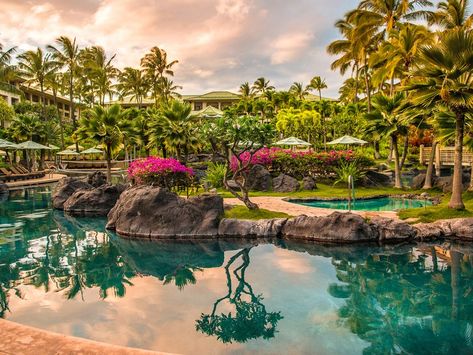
(262, 86)
(132, 82)
(245, 91)
(453, 14)
(167, 90)
(103, 125)
(54, 81)
(35, 67)
(387, 120)
(7, 71)
(444, 77)
(66, 54)
(317, 83)
(298, 90)
(155, 66)
(100, 72)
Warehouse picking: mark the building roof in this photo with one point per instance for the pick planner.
(208, 111)
(213, 95)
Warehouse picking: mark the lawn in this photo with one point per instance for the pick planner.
(241, 212)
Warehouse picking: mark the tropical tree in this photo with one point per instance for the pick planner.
(261, 85)
(317, 83)
(443, 77)
(298, 90)
(167, 90)
(388, 120)
(453, 14)
(105, 126)
(7, 71)
(132, 82)
(6, 113)
(66, 54)
(35, 67)
(155, 66)
(246, 91)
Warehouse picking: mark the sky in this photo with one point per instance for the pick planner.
(219, 43)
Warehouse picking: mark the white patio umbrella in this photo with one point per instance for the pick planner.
(348, 140)
(92, 151)
(292, 141)
(30, 145)
(4, 144)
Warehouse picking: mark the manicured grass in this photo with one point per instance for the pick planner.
(440, 211)
(241, 212)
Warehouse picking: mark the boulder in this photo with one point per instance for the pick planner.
(153, 212)
(65, 188)
(93, 202)
(97, 179)
(308, 183)
(391, 230)
(375, 179)
(259, 178)
(454, 229)
(285, 183)
(262, 228)
(428, 231)
(418, 181)
(445, 182)
(338, 227)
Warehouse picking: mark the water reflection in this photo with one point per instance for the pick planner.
(394, 299)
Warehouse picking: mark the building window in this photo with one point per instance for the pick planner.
(14, 101)
(197, 106)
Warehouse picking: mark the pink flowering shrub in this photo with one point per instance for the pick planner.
(300, 164)
(164, 172)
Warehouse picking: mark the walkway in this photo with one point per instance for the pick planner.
(47, 179)
(18, 339)
(277, 204)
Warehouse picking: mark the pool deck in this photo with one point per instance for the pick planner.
(47, 179)
(277, 204)
(18, 339)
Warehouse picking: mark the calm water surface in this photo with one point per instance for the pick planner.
(71, 276)
(375, 204)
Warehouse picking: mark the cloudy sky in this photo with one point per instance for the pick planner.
(219, 43)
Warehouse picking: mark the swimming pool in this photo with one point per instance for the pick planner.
(71, 276)
(372, 204)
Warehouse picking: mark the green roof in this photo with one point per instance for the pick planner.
(208, 111)
(213, 95)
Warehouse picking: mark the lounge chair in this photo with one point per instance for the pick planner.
(12, 176)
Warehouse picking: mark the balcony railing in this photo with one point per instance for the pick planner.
(10, 88)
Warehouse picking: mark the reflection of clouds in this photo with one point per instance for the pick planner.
(288, 261)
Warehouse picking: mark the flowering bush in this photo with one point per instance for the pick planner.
(164, 172)
(300, 164)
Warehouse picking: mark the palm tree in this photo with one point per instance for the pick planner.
(132, 82)
(349, 91)
(246, 91)
(54, 81)
(387, 120)
(262, 86)
(66, 54)
(317, 83)
(167, 90)
(443, 77)
(100, 72)
(155, 65)
(35, 67)
(7, 71)
(453, 14)
(298, 90)
(103, 125)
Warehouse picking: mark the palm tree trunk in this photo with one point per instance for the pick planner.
(405, 150)
(430, 167)
(455, 282)
(357, 75)
(456, 201)
(320, 94)
(367, 84)
(109, 164)
(72, 113)
(397, 170)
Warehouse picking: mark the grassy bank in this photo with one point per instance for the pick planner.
(441, 211)
(241, 212)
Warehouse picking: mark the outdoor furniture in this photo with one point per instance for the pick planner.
(11, 176)
(347, 140)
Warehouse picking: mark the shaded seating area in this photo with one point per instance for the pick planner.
(15, 173)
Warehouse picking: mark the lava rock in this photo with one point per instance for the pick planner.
(445, 182)
(418, 181)
(454, 229)
(153, 212)
(375, 179)
(97, 179)
(93, 202)
(308, 183)
(285, 183)
(65, 188)
(259, 178)
(391, 230)
(262, 228)
(338, 227)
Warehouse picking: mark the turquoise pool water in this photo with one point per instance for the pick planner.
(71, 276)
(375, 204)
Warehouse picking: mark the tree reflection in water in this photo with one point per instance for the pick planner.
(409, 303)
(250, 320)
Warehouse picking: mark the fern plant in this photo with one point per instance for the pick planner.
(215, 174)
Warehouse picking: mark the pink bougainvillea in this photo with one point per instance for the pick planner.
(160, 171)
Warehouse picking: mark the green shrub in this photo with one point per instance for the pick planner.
(215, 174)
(349, 168)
